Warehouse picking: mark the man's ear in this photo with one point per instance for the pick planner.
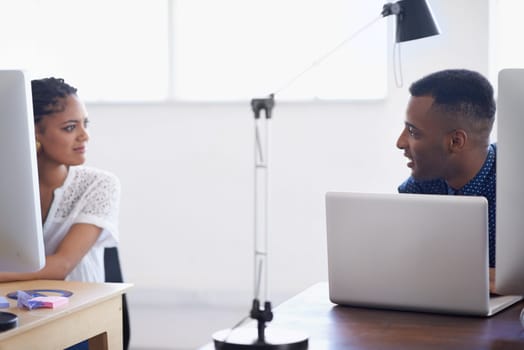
(457, 140)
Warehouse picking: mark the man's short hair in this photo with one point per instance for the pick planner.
(460, 94)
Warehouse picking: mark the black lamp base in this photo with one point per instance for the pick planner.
(247, 339)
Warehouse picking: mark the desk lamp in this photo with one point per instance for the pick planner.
(414, 21)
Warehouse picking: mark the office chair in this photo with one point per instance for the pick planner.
(114, 274)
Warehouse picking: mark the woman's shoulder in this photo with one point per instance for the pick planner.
(86, 176)
(96, 191)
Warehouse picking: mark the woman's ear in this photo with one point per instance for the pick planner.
(38, 132)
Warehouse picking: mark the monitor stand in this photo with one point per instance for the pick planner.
(8, 321)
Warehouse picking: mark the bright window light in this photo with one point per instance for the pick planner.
(199, 50)
(111, 50)
(238, 49)
(508, 52)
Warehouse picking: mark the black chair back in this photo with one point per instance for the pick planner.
(114, 274)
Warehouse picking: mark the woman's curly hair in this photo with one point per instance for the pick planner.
(49, 95)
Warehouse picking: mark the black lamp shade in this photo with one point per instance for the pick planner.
(415, 21)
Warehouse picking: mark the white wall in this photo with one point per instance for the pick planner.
(187, 174)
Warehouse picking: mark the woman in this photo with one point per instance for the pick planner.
(79, 204)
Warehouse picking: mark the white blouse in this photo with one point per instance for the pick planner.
(89, 196)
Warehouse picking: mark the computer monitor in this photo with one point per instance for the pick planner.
(509, 277)
(21, 239)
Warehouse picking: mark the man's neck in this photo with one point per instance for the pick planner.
(468, 166)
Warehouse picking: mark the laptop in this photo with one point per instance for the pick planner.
(413, 252)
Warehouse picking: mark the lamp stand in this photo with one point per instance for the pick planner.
(249, 337)
(414, 20)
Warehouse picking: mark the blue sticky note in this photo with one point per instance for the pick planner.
(4, 303)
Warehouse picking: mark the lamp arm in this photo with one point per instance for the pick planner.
(323, 57)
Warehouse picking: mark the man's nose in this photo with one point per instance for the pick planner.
(401, 141)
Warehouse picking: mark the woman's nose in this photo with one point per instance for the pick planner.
(84, 134)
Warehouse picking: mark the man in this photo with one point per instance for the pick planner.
(446, 138)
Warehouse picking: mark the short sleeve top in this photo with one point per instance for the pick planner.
(88, 196)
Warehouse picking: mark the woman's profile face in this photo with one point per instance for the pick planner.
(63, 135)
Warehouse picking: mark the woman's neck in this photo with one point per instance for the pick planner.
(51, 175)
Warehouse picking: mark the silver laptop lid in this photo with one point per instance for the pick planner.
(510, 192)
(408, 251)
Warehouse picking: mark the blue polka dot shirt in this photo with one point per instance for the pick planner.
(483, 184)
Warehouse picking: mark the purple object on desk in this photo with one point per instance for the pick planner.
(42, 293)
(4, 303)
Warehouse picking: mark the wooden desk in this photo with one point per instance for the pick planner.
(335, 327)
(94, 312)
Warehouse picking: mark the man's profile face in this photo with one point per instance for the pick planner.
(424, 140)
